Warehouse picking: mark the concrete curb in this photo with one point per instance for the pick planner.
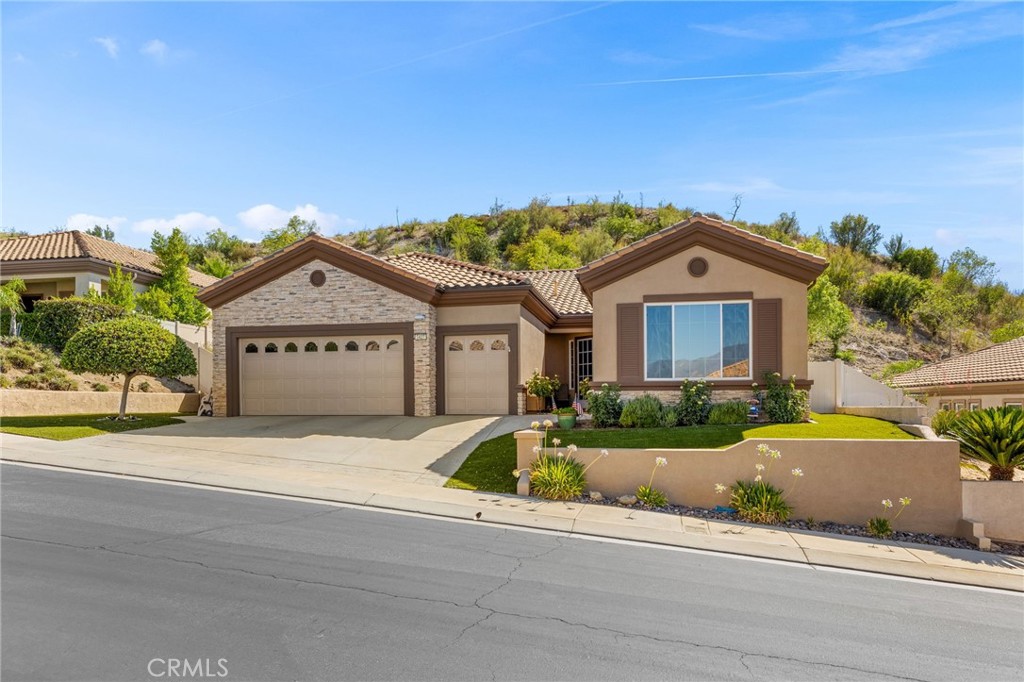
(964, 567)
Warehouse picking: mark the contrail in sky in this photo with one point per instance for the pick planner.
(684, 79)
(420, 58)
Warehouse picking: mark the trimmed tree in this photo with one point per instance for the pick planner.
(10, 300)
(129, 346)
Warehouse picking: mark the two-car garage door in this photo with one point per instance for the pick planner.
(322, 375)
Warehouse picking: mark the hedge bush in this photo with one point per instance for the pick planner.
(58, 319)
(731, 412)
(642, 412)
(895, 293)
(784, 403)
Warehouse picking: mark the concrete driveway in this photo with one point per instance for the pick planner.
(425, 450)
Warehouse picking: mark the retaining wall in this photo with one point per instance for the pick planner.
(997, 504)
(18, 403)
(844, 480)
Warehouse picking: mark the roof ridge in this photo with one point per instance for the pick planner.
(454, 261)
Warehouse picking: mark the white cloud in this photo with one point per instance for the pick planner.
(931, 15)
(269, 216)
(19, 58)
(157, 49)
(84, 221)
(784, 26)
(751, 186)
(192, 222)
(108, 44)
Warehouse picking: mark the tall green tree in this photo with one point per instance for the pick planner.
(121, 289)
(856, 233)
(827, 315)
(173, 296)
(10, 300)
(102, 232)
(296, 229)
(972, 266)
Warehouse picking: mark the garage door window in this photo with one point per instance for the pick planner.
(455, 346)
(331, 347)
(271, 348)
(394, 345)
(372, 345)
(311, 347)
(476, 345)
(291, 348)
(351, 345)
(497, 344)
(252, 348)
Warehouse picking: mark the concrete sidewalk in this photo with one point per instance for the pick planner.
(228, 470)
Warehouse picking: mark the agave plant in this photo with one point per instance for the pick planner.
(994, 436)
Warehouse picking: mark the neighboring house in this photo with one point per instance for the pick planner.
(322, 328)
(62, 264)
(990, 377)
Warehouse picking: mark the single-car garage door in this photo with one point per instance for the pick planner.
(476, 374)
(318, 375)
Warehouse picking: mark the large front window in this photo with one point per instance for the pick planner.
(698, 341)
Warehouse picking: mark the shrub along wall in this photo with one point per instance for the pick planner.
(57, 320)
(844, 480)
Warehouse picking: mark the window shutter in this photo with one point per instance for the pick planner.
(767, 352)
(630, 342)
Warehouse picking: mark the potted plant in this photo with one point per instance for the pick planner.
(583, 392)
(542, 387)
(566, 417)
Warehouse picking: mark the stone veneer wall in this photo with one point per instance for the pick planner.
(345, 298)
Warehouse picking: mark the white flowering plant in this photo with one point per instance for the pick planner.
(649, 495)
(881, 526)
(758, 501)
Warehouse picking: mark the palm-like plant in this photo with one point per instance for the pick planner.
(994, 436)
(10, 299)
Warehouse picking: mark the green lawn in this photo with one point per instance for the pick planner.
(490, 466)
(72, 426)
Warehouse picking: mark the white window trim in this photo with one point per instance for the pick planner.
(672, 306)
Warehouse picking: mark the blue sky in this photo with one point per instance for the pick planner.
(145, 116)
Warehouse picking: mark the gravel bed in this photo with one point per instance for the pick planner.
(818, 526)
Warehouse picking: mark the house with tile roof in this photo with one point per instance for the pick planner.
(322, 328)
(62, 264)
(990, 377)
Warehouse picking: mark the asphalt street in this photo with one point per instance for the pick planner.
(116, 579)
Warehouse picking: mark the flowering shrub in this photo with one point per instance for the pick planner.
(881, 526)
(542, 386)
(759, 501)
(643, 412)
(558, 475)
(783, 403)
(606, 405)
(694, 403)
(649, 495)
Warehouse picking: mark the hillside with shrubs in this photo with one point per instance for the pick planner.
(884, 304)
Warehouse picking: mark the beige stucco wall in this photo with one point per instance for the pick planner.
(18, 403)
(844, 480)
(531, 348)
(463, 315)
(997, 504)
(344, 299)
(724, 274)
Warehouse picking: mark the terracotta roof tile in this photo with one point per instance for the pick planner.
(1001, 362)
(75, 244)
(560, 288)
(450, 273)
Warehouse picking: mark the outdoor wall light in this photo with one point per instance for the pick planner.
(419, 317)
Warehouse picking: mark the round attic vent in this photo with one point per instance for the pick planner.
(698, 267)
(317, 278)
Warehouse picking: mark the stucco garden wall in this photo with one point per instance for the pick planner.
(997, 504)
(18, 403)
(844, 480)
(344, 298)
